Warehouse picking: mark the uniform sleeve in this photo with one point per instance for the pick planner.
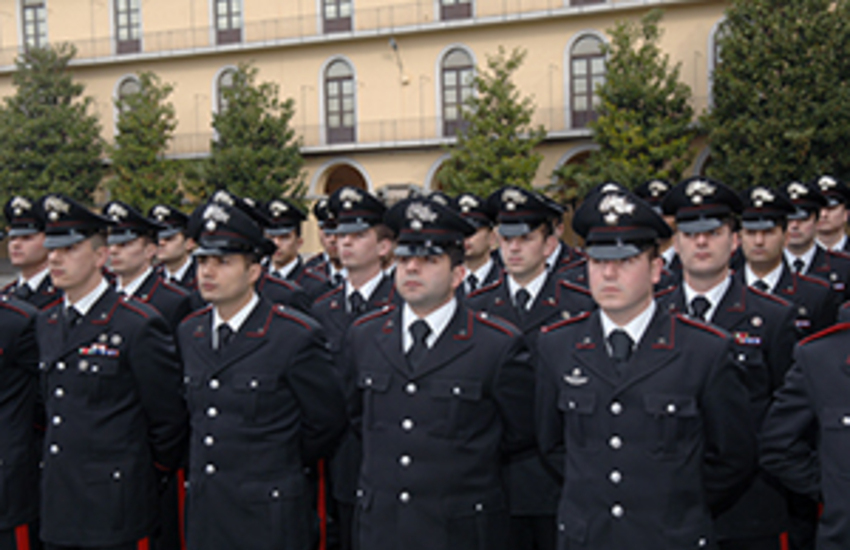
(787, 451)
(159, 375)
(316, 386)
(780, 349)
(514, 396)
(548, 420)
(730, 442)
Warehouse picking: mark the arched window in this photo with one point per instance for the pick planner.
(128, 26)
(336, 15)
(35, 24)
(228, 21)
(225, 82)
(339, 103)
(126, 88)
(456, 78)
(587, 71)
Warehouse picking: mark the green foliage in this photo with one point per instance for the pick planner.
(645, 124)
(256, 153)
(496, 148)
(146, 123)
(781, 95)
(48, 140)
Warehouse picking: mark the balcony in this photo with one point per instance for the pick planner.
(307, 28)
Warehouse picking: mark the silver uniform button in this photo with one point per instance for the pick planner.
(615, 476)
(616, 408)
(254, 384)
(209, 469)
(209, 441)
(275, 493)
(846, 420)
(615, 442)
(456, 390)
(54, 449)
(214, 384)
(57, 420)
(116, 475)
(212, 412)
(407, 424)
(479, 507)
(410, 388)
(405, 460)
(702, 542)
(59, 392)
(404, 496)
(60, 366)
(742, 357)
(617, 511)
(671, 408)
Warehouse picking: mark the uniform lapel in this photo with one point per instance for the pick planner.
(732, 307)
(591, 353)
(389, 342)
(452, 343)
(545, 305)
(501, 303)
(655, 350)
(148, 287)
(92, 323)
(247, 340)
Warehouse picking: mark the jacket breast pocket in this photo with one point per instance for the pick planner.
(102, 373)
(835, 440)
(285, 502)
(372, 385)
(577, 409)
(456, 404)
(256, 393)
(673, 424)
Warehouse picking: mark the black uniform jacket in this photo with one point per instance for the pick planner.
(763, 338)
(814, 397)
(261, 408)
(171, 301)
(189, 280)
(534, 489)
(313, 281)
(434, 439)
(44, 296)
(647, 456)
(832, 267)
(331, 312)
(115, 417)
(19, 452)
(567, 256)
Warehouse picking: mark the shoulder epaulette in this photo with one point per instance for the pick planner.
(815, 280)
(665, 291)
(4, 302)
(313, 274)
(135, 306)
(197, 313)
(565, 322)
(328, 294)
(573, 286)
(497, 323)
(571, 266)
(769, 296)
(53, 304)
(7, 287)
(296, 316)
(840, 327)
(284, 283)
(389, 308)
(699, 324)
(487, 288)
(174, 288)
(839, 254)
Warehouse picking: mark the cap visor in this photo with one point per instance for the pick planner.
(612, 251)
(212, 251)
(168, 233)
(279, 231)
(64, 240)
(514, 229)
(758, 225)
(413, 250)
(800, 214)
(701, 225)
(121, 238)
(23, 231)
(353, 227)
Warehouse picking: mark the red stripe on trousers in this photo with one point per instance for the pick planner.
(144, 544)
(22, 537)
(783, 541)
(181, 506)
(323, 508)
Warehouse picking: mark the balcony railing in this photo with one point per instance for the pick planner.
(387, 19)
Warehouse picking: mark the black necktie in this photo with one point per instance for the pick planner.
(356, 302)
(419, 330)
(799, 265)
(521, 299)
(337, 279)
(761, 285)
(472, 280)
(225, 335)
(699, 307)
(621, 348)
(72, 319)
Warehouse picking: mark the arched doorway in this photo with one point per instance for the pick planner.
(343, 175)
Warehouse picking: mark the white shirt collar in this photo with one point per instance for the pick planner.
(533, 287)
(285, 271)
(366, 290)
(636, 327)
(480, 274)
(668, 256)
(837, 247)
(181, 271)
(236, 321)
(552, 260)
(35, 281)
(714, 296)
(807, 258)
(771, 279)
(84, 304)
(133, 287)
(438, 320)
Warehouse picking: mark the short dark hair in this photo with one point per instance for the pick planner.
(456, 254)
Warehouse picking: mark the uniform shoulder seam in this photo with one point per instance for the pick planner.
(840, 327)
(375, 314)
(554, 326)
(698, 324)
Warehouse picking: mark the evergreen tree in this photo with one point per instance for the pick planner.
(781, 96)
(255, 153)
(496, 145)
(146, 123)
(645, 124)
(48, 140)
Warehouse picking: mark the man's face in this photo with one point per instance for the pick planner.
(706, 254)
(623, 288)
(27, 250)
(226, 280)
(801, 233)
(763, 247)
(427, 282)
(832, 219)
(362, 250)
(174, 248)
(329, 243)
(287, 248)
(74, 267)
(478, 244)
(131, 258)
(525, 256)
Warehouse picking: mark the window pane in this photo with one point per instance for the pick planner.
(348, 121)
(589, 45)
(579, 67)
(236, 22)
(597, 101)
(457, 59)
(580, 86)
(348, 87)
(598, 81)
(597, 65)
(467, 77)
(579, 103)
(347, 104)
(330, 12)
(451, 112)
(333, 121)
(333, 89)
(450, 79)
(448, 2)
(345, 10)
(222, 23)
(339, 69)
(465, 93)
(450, 96)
